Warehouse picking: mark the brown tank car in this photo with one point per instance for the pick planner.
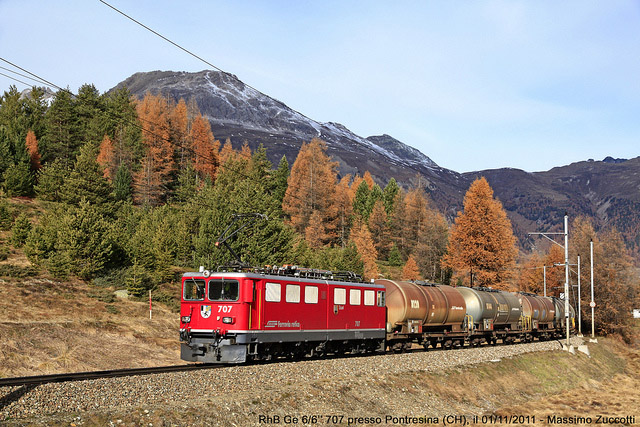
(434, 315)
(422, 311)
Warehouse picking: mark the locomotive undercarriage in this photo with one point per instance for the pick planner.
(239, 348)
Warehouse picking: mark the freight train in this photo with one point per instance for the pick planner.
(237, 315)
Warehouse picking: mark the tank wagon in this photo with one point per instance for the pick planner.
(438, 315)
(235, 316)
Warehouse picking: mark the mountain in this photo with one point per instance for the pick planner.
(606, 190)
(241, 113)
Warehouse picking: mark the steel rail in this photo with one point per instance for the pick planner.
(92, 375)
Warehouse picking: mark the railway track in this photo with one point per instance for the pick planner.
(92, 375)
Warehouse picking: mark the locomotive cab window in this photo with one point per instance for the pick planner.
(193, 290)
(381, 298)
(340, 296)
(223, 290)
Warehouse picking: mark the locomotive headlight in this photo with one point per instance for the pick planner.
(185, 319)
(227, 320)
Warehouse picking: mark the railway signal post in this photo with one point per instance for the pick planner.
(592, 304)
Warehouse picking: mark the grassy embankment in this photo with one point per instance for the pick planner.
(50, 326)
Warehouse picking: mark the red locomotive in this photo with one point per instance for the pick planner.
(235, 316)
(230, 317)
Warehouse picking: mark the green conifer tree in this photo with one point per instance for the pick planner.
(395, 257)
(20, 230)
(122, 183)
(61, 139)
(389, 197)
(279, 180)
(18, 180)
(6, 219)
(50, 180)
(86, 181)
(361, 200)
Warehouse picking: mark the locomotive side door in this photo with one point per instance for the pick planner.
(255, 298)
(337, 312)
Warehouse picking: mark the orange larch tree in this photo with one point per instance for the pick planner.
(357, 180)
(361, 236)
(179, 125)
(227, 152)
(314, 232)
(157, 164)
(311, 187)
(481, 248)
(531, 277)
(410, 270)
(368, 179)
(205, 148)
(106, 158)
(32, 148)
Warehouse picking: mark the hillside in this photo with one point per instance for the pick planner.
(605, 190)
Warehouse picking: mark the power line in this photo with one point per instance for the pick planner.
(13, 78)
(367, 147)
(19, 74)
(179, 144)
(163, 37)
(34, 75)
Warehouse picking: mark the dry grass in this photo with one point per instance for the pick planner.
(616, 394)
(51, 327)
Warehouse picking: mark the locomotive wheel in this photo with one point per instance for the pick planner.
(394, 347)
(447, 345)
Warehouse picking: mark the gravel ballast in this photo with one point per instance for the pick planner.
(180, 388)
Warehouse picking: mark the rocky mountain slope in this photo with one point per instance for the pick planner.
(241, 113)
(607, 190)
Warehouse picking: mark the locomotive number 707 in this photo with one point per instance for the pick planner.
(224, 308)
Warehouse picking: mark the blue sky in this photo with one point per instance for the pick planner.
(473, 85)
